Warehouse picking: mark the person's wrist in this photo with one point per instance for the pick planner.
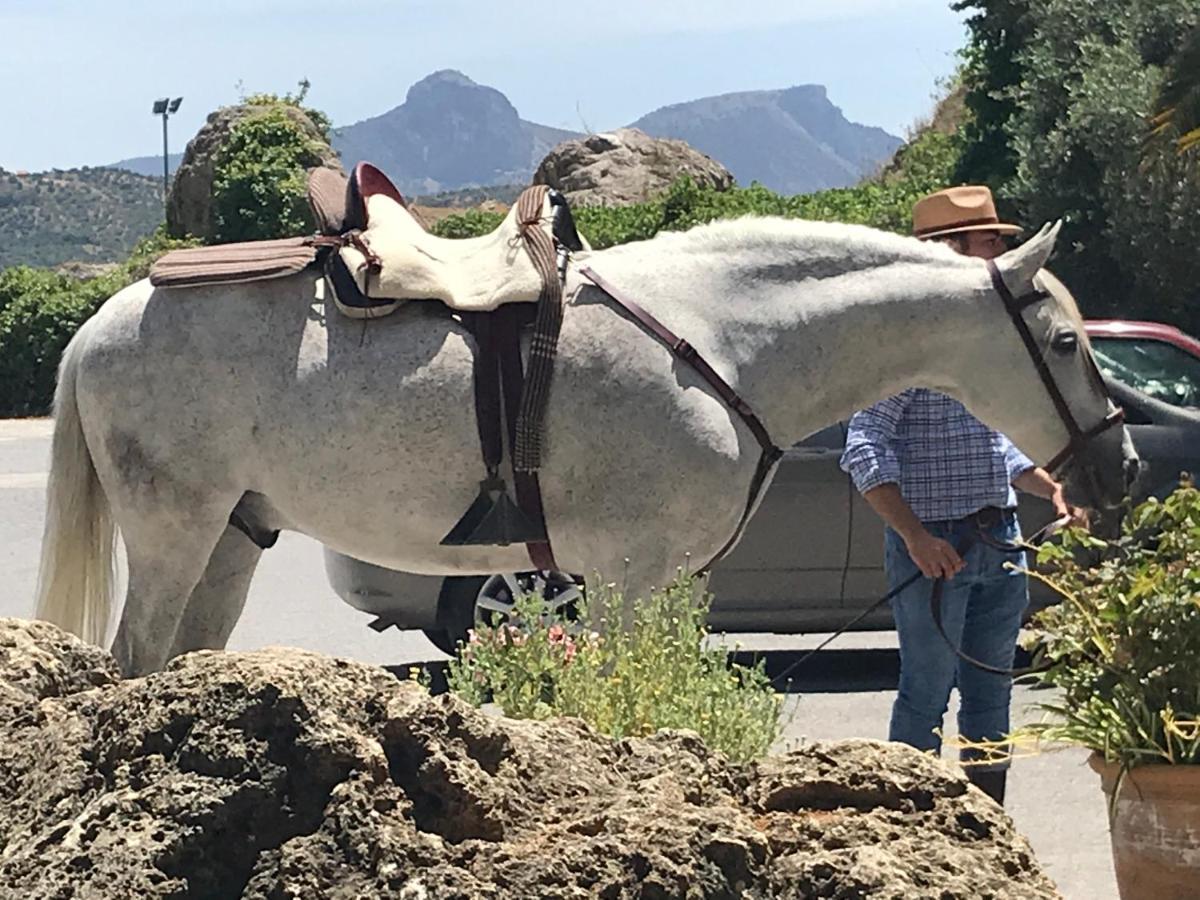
(912, 533)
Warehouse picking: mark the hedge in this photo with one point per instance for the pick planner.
(40, 310)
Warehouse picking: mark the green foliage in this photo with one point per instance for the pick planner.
(471, 223)
(1177, 114)
(86, 215)
(260, 179)
(628, 682)
(1061, 94)
(991, 70)
(40, 310)
(1124, 645)
(319, 119)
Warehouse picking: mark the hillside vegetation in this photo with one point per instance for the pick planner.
(87, 215)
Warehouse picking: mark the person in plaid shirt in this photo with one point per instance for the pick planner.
(935, 474)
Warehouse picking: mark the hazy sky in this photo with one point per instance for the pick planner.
(83, 74)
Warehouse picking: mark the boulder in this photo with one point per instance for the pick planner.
(190, 202)
(282, 773)
(625, 166)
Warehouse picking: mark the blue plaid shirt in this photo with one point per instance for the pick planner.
(946, 462)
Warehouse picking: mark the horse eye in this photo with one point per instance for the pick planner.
(1065, 342)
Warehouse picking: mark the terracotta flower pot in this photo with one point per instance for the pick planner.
(1156, 832)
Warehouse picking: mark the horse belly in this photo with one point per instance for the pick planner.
(375, 451)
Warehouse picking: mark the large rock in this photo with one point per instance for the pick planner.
(625, 166)
(190, 202)
(289, 774)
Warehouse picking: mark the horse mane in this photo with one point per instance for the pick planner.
(811, 248)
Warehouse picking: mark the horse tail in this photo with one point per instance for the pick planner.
(78, 566)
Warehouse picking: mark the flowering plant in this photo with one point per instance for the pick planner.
(627, 681)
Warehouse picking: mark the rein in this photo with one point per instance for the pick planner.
(935, 603)
(771, 453)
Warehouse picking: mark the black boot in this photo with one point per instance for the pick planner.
(990, 781)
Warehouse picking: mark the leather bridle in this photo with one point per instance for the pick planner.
(1077, 437)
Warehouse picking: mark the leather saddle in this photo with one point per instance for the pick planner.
(391, 258)
(376, 254)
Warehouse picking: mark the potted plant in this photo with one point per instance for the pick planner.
(1122, 650)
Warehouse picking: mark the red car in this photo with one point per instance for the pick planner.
(1156, 359)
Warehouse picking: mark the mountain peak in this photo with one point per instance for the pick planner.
(792, 140)
(445, 76)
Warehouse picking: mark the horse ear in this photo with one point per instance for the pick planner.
(1020, 265)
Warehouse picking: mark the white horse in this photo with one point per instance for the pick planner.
(176, 406)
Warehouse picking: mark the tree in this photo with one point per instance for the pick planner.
(1074, 86)
(1178, 104)
(991, 70)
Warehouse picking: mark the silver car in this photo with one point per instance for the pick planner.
(810, 560)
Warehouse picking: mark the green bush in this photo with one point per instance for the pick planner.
(628, 682)
(40, 311)
(1124, 645)
(260, 180)
(927, 164)
(471, 223)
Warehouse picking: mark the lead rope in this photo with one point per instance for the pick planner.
(935, 601)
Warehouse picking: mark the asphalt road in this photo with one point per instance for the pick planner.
(1054, 798)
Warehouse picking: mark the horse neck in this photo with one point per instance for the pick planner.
(836, 349)
(806, 351)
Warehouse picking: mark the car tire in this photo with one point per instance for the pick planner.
(484, 599)
(455, 612)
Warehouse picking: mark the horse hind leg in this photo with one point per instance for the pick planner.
(169, 547)
(217, 601)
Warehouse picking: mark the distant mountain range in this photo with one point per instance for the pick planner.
(452, 133)
(85, 215)
(449, 133)
(793, 141)
(148, 165)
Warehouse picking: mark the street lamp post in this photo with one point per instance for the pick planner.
(164, 108)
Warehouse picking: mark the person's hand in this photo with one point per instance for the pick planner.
(1075, 515)
(935, 557)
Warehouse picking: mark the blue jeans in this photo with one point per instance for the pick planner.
(982, 608)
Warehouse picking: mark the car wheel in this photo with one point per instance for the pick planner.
(488, 600)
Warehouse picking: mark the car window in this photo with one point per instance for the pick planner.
(1156, 368)
(832, 437)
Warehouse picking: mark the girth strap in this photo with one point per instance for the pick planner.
(515, 389)
(771, 453)
(527, 449)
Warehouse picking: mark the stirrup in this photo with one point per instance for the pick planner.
(493, 520)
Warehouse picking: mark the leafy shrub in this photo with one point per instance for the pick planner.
(40, 311)
(1124, 645)
(260, 179)
(628, 682)
(471, 223)
(1062, 94)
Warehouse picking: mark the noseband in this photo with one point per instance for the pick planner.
(1077, 437)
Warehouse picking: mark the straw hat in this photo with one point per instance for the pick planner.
(958, 209)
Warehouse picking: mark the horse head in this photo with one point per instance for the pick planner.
(1071, 425)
